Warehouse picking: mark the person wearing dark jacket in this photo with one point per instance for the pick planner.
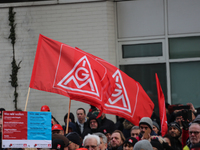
(93, 125)
(145, 124)
(81, 124)
(71, 118)
(117, 140)
(175, 132)
(107, 122)
(119, 123)
(72, 125)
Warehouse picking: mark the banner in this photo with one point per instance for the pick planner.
(61, 69)
(26, 129)
(162, 110)
(129, 100)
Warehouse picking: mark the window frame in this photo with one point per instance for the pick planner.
(141, 60)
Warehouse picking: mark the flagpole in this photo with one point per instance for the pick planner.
(27, 99)
(68, 116)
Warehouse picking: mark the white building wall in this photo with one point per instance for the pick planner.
(88, 26)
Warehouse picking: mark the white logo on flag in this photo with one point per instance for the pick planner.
(120, 94)
(82, 67)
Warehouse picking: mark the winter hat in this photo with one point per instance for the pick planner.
(104, 130)
(155, 124)
(58, 144)
(131, 141)
(147, 121)
(176, 125)
(155, 143)
(143, 144)
(74, 137)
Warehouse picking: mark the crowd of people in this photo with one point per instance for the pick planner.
(91, 133)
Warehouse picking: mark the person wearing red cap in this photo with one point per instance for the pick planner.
(46, 108)
(57, 129)
(58, 133)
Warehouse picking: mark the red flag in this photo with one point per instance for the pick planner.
(129, 100)
(162, 110)
(61, 69)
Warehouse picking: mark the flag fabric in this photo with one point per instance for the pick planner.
(129, 100)
(61, 69)
(162, 110)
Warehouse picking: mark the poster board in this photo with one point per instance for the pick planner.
(22, 129)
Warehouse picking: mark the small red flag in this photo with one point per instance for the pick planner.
(162, 110)
(129, 100)
(61, 69)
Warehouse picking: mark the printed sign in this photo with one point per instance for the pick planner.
(26, 129)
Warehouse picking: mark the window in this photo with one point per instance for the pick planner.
(145, 75)
(147, 55)
(185, 47)
(142, 50)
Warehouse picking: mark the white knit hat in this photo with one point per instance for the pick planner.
(147, 121)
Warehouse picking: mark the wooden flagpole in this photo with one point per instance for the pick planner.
(27, 99)
(68, 116)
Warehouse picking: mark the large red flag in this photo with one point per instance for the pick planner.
(129, 100)
(61, 69)
(162, 110)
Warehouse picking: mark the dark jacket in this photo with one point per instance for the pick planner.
(89, 130)
(117, 148)
(108, 123)
(176, 144)
(85, 129)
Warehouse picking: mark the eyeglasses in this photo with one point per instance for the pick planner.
(194, 132)
(91, 146)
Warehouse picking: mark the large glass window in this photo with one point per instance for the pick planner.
(16, 1)
(141, 50)
(185, 83)
(185, 47)
(145, 75)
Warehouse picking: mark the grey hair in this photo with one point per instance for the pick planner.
(135, 127)
(194, 123)
(91, 136)
(101, 135)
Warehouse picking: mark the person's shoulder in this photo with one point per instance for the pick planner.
(107, 121)
(120, 147)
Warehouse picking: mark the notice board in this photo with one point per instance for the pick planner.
(23, 129)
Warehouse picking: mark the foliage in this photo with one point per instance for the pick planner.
(15, 66)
